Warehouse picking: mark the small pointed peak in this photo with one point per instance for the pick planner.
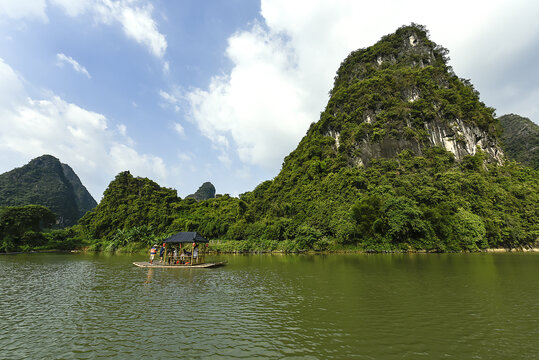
(45, 158)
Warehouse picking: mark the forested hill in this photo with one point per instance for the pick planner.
(521, 139)
(46, 181)
(130, 202)
(405, 156)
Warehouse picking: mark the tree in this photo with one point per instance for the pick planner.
(22, 225)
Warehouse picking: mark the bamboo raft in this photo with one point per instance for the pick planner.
(146, 264)
(188, 260)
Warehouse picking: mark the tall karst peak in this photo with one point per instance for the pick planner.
(46, 181)
(400, 94)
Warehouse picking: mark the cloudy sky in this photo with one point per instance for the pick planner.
(190, 91)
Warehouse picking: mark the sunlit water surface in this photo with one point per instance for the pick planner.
(405, 306)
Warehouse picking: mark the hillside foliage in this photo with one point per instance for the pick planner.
(410, 195)
(21, 227)
(521, 139)
(400, 204)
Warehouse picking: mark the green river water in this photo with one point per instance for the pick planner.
(398, 306)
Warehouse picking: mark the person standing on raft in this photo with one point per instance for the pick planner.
(162, 252)
(195, 251)
(153, 251)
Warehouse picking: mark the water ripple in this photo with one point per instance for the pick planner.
(317, 307)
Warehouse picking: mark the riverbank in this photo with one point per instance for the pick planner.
(38, 252)
(532, 249)
(288, 246)
(502, 250)
(270, 247)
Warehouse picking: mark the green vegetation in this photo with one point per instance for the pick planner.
(406, 203)
(521, 139)
(366, 176)
(45, 181)
(30, 227)
(21, 227)
(132, 210)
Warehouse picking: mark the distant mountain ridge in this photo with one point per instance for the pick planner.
(521, 139)
(46, 181)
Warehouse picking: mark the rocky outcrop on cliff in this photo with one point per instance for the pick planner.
(205, 191)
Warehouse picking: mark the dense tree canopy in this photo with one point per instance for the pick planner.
(21, 226)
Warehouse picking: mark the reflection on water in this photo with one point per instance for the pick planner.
(403, 306)
(149, 277)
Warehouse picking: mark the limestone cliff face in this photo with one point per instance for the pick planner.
(456, 137)
(400, 94)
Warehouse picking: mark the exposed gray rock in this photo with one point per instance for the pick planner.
(205, 191)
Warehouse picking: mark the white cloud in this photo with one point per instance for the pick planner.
(168, 97)
(24, 9)
(76, 66)
(126, 158)
(74, 7)
(283, 69)
(11, 86)
(134, 16)
(179, 128)
(259, 106)
(224, 159)
(122, 129)
(171, 99)
(78, 137)
(185, 157)
(137, 23)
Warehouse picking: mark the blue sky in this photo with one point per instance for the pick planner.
(185, 92)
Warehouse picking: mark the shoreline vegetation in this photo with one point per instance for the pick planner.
(224, 248)
(498, 212)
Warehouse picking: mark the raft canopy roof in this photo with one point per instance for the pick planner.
(186, 237)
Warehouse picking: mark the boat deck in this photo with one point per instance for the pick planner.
(146, 264)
